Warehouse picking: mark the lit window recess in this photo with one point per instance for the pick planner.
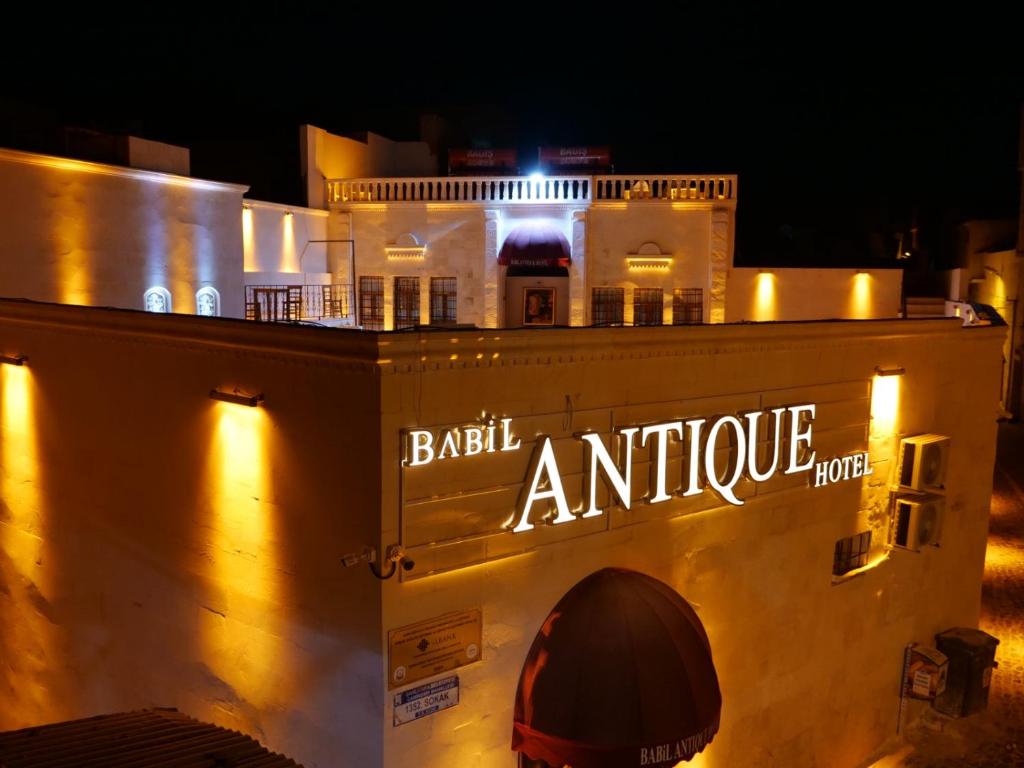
(208, 302)
(157, 299)
(13, 359)
(237, 397)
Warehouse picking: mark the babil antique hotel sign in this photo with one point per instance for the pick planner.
(719, 453)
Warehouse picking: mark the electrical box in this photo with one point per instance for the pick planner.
(926, 672)
(972, 657)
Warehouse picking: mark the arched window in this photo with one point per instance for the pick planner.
(157, 300)
(208, 302)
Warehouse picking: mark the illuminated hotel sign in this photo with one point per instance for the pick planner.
(756, 444)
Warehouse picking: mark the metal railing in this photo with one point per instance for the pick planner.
(524, 189)
(291, 303)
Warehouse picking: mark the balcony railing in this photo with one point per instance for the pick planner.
(524, 189)
(291, 303)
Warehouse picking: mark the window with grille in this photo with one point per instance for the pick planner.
(851, 553)
(606, 306)
(687, 306)
(647, 306)
(443, 301)
(407, 302)
(371, 303)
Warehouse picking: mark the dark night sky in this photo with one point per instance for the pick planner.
(842, 121)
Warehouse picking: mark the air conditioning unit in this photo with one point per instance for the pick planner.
(916, 521)
(922, 463)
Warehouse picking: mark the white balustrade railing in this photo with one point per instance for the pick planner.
(524, 189)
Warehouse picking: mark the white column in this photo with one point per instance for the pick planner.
(491, 270)
(578, 270)
(718, 265)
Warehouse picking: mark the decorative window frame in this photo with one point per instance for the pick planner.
(406, 247)
(153, 292)
(649, 258)
(208, 290)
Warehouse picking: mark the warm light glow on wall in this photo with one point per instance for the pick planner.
(74, 262)
(241, 630)
(764, 297)
(29, 645)
(248, 242)
(860, 296)
(885, 405)
(289, 261)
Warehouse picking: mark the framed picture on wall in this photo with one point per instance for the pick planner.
(538, 306)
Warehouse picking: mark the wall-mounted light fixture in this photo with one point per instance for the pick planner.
(237, 397)
(287, 213)
(879, 371)
(13, 359)
(246, 207)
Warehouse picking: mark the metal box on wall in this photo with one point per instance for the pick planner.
(971, 654)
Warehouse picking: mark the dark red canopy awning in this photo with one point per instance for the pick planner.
(535, 244)
(619, 675)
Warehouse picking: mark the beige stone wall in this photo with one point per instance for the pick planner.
(454, 239)
(758, 295)
(463, 241)
(682, 231)
(92, 234)
(158, 548)
(808, 666)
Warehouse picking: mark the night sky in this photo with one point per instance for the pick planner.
(844, 127)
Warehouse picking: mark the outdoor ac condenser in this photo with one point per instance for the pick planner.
(922, 463)
(917, 521)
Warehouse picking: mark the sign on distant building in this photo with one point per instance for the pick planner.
(482, 160)
(555, 158)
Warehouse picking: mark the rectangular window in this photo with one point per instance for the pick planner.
(407, 302)
(443, 301)
(687, 306)
(371, 303)
(606, 306)
(851, 553)
(647, 306)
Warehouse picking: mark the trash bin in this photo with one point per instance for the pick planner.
(972, 657)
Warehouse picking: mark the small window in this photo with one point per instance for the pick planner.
(208, 302)
(407, 302)
(647, 306)
(607, 305)
(687, 306)
(371, 303)
(443, 301)
(851, 553)
(157, 300)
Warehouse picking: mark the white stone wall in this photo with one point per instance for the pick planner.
(92, 234)
(454, 240)
(283, 239)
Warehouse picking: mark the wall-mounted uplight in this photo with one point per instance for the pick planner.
(879, 371)
(13, 359)
(237, 397)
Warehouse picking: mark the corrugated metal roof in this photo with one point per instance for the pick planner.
(154, 738)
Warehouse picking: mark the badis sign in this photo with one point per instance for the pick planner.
(757, 445)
